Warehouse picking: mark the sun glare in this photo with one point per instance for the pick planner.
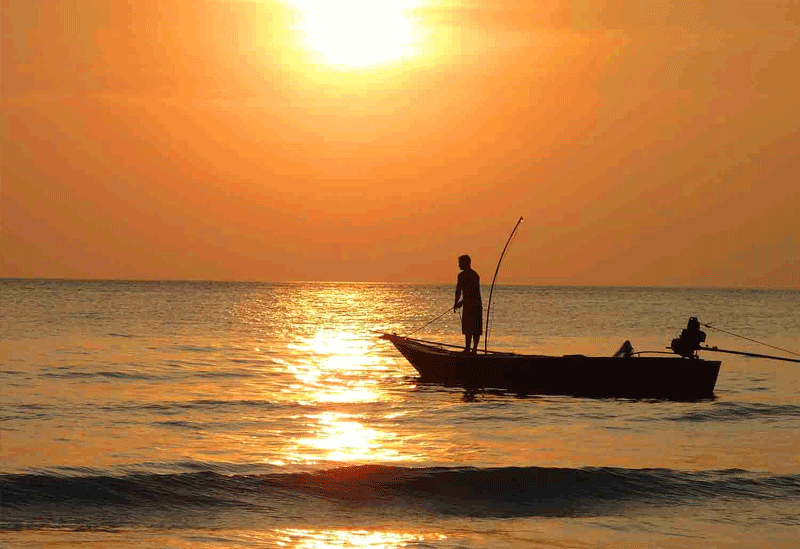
(337, 371)
(356, 33)
(342, 438)
(365, 539)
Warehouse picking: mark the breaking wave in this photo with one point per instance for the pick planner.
(36, 500)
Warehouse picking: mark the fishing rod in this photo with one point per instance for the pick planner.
(756, 355)
(432, 321)
(494, 278)
(690, 339)
(717, 350)
(753, 340)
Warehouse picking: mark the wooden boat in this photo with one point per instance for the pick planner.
(624, 375)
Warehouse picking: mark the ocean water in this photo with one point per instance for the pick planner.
(208, 414)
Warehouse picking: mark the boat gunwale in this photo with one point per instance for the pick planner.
(438, 347)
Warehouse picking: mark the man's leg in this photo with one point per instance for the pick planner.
(475, 339)
(467, 338)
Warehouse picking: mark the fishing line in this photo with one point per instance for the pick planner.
(488, 307)
(432, 321)
(753, 340)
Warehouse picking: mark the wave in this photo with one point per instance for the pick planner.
(31, 499)
(101, 374)
(141, 376)
(199, 404)
(731, 411)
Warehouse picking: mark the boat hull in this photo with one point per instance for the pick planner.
(636, 377)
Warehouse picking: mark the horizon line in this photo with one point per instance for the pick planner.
(394, 283)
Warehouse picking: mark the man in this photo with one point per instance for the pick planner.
(469, 285)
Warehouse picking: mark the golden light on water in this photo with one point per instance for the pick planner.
(337, 344)
(333, 368)
(329, 539)
(337, 371)
(356, 33)
(342, 438)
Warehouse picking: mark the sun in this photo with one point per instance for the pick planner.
(356, 33)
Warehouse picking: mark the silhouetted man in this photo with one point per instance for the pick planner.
(469, 285)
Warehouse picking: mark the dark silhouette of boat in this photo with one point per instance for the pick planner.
(679, 375)
(626, 374)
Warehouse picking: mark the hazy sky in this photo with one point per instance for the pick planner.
(645, 142)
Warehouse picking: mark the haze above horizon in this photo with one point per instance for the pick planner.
(645, 144)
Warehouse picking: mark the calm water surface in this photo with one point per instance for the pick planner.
(214, 415)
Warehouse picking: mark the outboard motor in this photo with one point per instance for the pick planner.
(690, 340)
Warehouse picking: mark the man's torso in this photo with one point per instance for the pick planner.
(470, 284)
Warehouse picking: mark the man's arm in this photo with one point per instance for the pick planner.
(456, 303)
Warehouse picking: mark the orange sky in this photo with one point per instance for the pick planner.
(645, 143)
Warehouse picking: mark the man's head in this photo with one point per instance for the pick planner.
(464, 262)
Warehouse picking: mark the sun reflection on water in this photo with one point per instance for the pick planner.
(340, 438)
(329, 539)
(340, 369)
(340, 388)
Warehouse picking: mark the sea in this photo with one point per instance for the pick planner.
(242, 414)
